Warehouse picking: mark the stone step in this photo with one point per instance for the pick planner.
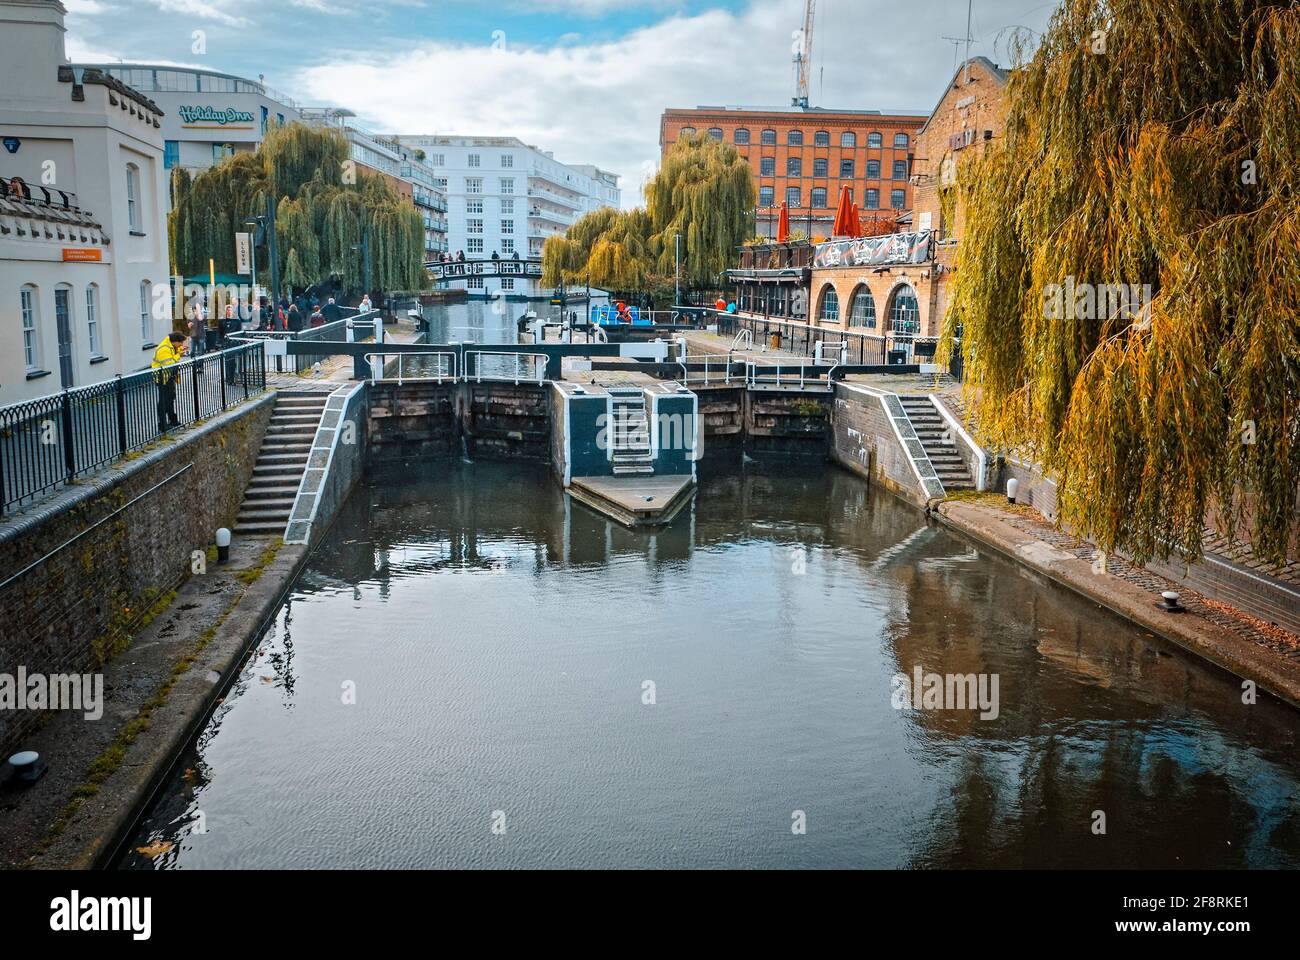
(622, 470)
(285, 445)
(269, 490)
(280, 506)
(295, 419)
(261, 527)
(278, 470)
(307, 433)
(282, 460)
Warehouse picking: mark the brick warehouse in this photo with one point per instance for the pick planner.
(805, 155)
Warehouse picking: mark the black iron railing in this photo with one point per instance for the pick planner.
(334, 332)
(49, 441)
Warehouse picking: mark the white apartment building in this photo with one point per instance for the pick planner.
(82, 213)
(207, 116)
(507, 197)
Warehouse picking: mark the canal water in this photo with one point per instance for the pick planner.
(474, 672)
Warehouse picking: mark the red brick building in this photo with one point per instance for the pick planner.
(804, 156)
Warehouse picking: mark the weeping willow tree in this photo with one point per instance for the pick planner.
(704, 191)
(320, 220)
(1150, 147)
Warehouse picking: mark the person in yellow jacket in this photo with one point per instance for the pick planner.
(169, 353)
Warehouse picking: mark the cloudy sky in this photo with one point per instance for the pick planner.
(586, 79)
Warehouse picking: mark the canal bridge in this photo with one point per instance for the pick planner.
(444, 272)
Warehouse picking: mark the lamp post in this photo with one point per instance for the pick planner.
(677, 269)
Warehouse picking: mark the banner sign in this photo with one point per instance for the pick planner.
(874, 251)
(82, 255)
(480, 268)
(243, 253)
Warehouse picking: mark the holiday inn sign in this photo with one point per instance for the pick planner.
(192, 116)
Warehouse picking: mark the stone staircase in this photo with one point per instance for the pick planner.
(934, 433)
(630, 434)
(281, 462)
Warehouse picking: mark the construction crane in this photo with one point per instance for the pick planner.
(803, 55)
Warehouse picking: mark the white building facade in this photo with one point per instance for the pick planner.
(506, 197)
(83, 238)
(207, 116)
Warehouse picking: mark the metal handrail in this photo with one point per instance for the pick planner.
(518, 357)
(708, 360)
(439, 377)
(744, 339)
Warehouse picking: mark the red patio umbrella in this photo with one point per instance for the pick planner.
(857, 221)
(843, 214)
(783, 224)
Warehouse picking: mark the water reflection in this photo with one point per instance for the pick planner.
(498, 639)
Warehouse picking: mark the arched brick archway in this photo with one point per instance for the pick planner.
(902, 313)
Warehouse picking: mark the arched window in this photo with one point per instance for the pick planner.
(904, 311)
(715, 133)
(794, 138)
(821, 139)
(29, 301)
(863, 311)
(873, 139)
(900, 141)
(133, 216)
(686, 132)
(848, 140)
(768, 138)
(741, 136)
(830, 306)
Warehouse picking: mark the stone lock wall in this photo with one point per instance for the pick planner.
(79, 571)
(863, 441)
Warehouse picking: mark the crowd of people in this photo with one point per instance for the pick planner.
(459, 257)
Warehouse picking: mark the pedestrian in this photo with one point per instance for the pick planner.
(317, 318)
(293, 319)
(332, 311)
(364, 306)
(169, 353)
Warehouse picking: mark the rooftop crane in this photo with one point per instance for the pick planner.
(803, 55)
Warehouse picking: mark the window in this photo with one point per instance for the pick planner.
(474, 160)
(474, 245)
(794, 167)
(793, 198)
(686, 132)
(29, 300)
(900, 141)
(507, 206)
(904, 313)
(897, 198)
(474, 283)
(171, 153)
(474, 225)
(873, 169)
(766, 196)
(222, 150)
(873, 199)
(818, 200)
(473, 206)
(821, 139)
(848, 141)
(741, 136)
(821, 167)
(508, 246)
(863, 311)
(794, 138)
(438, 160)
(507, 226)
(768, 138)
(767, 167)
(473, 184)
(873, 139)
(715, 133)
(846, 169)
(830, 310)
(507, 161)
(900, 170)
(507, 283)
(133, 217)
(440, 183)
(92, 320)
(146, 318)
(507, 184)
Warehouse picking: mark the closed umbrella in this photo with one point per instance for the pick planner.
(843, 215)
(783, 224)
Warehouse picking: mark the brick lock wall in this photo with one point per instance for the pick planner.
(863, 441)
(673, 122)
(66, 614)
